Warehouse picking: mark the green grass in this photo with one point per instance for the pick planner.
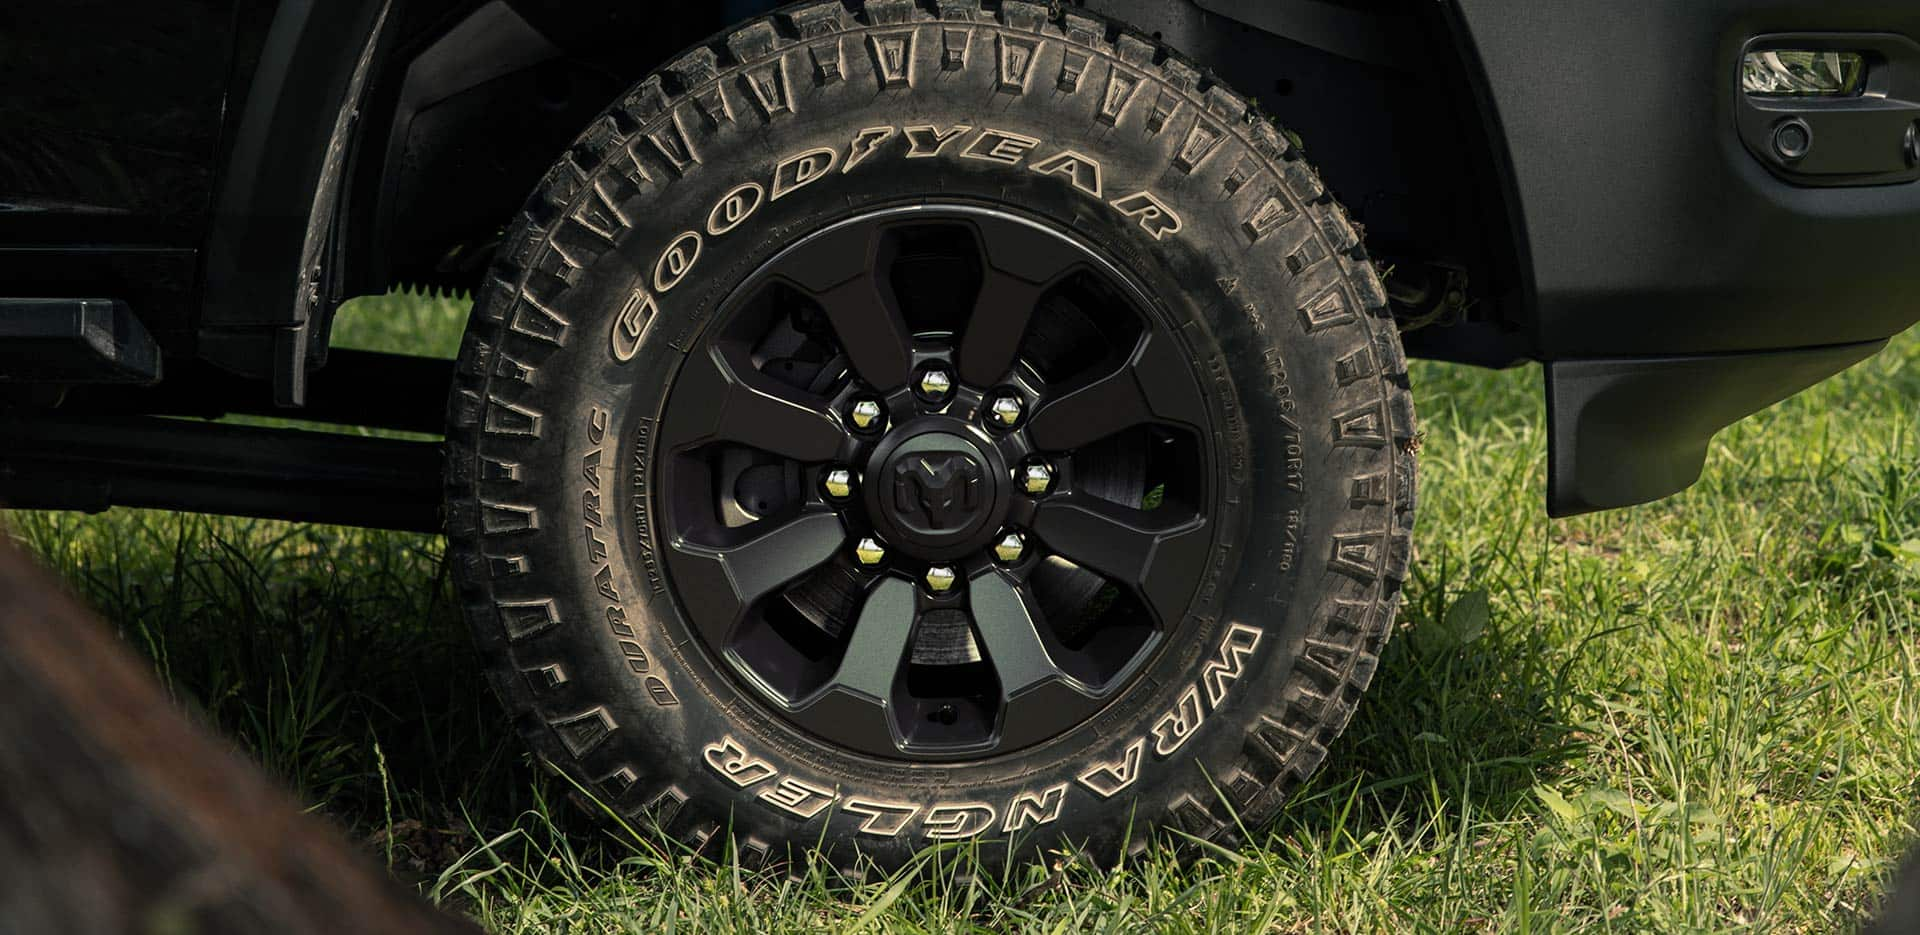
(1697, 715)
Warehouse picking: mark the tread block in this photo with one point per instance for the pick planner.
(766, 86)
(1268, 214)
(522, 619)
(670, 140)
(507, 419)
(1189, 815)
(508, 518)
(1364, 426)
(1202, 140)
(664, 807)
(647, 100)
(889, 12)
(543, 679)
(826, 61)
(507, 566)
(1073, 66)
(615, 784)
(1180, 74)
(892, 58)
(1359, 555)
(1354, 367)
(1019, 14)
(582, 733)
(1368, 490)
(1017, 54)
(1082, 29)
(753, 41)
(954, 42)
(1327, 310)
(1226, 104)
(1121, 86)
(1164, 107)
(537, 321)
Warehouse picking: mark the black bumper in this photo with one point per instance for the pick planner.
(1663, 251)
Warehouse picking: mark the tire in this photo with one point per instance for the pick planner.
(572, 533)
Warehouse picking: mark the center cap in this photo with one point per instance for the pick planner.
(937, 495)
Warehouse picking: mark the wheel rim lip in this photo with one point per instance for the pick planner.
(1006, 448)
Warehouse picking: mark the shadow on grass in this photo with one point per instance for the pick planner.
(1463, 719)
(339, 659)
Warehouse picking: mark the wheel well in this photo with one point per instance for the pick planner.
(1382, 96)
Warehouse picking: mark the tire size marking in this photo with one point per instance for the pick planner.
(593, 533)
(679, 257)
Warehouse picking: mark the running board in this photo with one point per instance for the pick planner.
(74, 341)
(93, 463)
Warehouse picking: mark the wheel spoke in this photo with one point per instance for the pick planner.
(719, 583)
(1009, 629)
(1157, 560)
(854, 704)
(713, 402)
(1021, 263)
(878, 644)
(1038, 698)
(843, 269)
(1155, 384)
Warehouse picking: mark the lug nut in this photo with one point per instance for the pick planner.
(838, 483)
(1006, 410)
(940, 578)
(1010, 548)
(1036, 478)
(869, 552)
(935, 382)
(866, 414)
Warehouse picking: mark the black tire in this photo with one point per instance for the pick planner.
(574, 349)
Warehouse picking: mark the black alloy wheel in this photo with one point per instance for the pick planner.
(909, 539)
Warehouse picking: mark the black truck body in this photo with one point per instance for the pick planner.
(190, 188)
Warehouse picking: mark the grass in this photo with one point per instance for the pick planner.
(1700, 715)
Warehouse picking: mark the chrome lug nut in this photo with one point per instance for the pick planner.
(1036, 478)
(1006, 410)
(940, 578)
(866, 414)
(1010, 547)
(869, 552)
(935, 382)
(838, 483)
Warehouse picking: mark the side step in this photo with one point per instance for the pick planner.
(92, 463)
(74, 341)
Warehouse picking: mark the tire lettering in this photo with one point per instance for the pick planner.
(802, 799)
(631, 323)
(676, 261)
(999, 146)
(884, 819)
(802, 169)
(953, 822)
(863, 145)
(1107, 780)
(1029, 808)
(927, 141)
(733, 762)
(734, 207)
(1082, 170)
(1173, 729)
(1231, 663)
(1154, 215)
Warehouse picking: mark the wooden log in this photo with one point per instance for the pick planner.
(117, 814)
